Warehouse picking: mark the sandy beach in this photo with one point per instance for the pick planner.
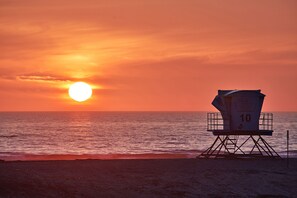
(149, 178)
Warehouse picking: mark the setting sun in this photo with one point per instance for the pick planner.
(80, 91)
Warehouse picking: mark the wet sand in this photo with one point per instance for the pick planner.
(149, 178)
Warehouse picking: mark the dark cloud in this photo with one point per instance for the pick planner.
(43, 77)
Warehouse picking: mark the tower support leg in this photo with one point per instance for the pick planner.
(224, 147)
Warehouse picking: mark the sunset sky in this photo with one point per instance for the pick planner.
(149, 55)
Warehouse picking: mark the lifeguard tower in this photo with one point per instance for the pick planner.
(240, 118)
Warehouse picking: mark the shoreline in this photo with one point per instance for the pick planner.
(58, 157)
(69, 157)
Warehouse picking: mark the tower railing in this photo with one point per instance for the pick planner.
(266, 121)
(215, 122)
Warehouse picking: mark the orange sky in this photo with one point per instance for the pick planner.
(146, 55)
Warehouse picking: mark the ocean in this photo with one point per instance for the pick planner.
(79, 133)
